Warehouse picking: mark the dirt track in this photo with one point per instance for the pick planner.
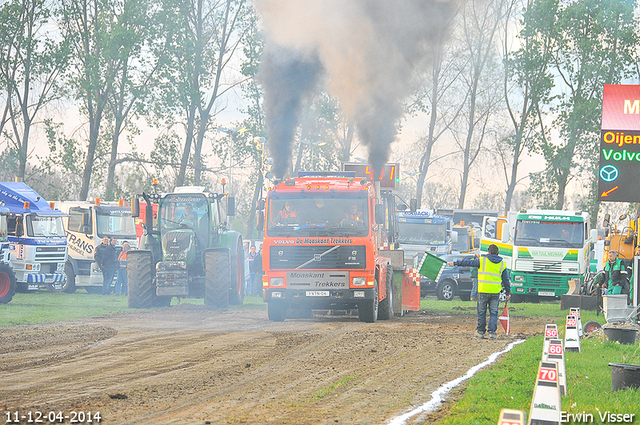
(188, 365)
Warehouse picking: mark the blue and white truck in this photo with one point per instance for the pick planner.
(36, 238)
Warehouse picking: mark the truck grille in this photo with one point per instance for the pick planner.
(50, 254)
(548, 280)
(317, 257)
(546, 266)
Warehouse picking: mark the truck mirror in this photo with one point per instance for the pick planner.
(594, 235)
(231, 206)
(413, 205)
(260, 205)
(18, 227)
(260, 224)
(505, 233)
(379, 213)
(605, 222)
(454, 237)
(135, 208)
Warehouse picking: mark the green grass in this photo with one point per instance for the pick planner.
(46, 307)
(334, 386)
(509, 383)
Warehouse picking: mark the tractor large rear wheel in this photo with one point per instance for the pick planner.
(142, 291)
(217, 274)
(7, 283)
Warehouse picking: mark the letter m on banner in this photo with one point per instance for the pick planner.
(632, 108)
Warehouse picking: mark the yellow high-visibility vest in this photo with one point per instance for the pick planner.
(490, 276)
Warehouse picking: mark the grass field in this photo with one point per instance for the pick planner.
(46, 307)
(509, 383)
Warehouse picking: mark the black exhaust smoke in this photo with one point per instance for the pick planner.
(370, 52)
(287, 76)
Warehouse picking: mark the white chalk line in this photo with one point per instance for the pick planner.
(437, 395)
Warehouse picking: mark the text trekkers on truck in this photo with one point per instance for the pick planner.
(324, 244)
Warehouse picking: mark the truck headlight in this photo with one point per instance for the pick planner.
(359, 281)
(277, 281)
(518, 278)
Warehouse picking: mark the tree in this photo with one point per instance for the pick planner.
(594, 41)
(133, 72)
(527, 79)
(30, 66)
(86, 24)
(205, 37)
(432, 99)
(481, 22)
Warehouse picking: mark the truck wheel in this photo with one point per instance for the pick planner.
(446, 290)
(368, 311)
(236, 294)
(590, 326)
(385, 312)
(7, 283)
(216, 280)
(516, 298)
(142, 291)
(276, 311)
(70, 285)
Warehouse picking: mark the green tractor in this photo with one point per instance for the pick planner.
(188, 251)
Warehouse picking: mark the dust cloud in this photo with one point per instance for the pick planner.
(366, 52)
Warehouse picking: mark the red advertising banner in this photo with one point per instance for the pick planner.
(619, 164)
(621, 107)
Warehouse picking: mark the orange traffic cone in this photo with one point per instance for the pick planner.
(504, 319)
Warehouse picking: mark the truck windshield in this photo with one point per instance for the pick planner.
(549, 233)
(116, 222)
(44, 226)
(313, 215)
(421, 233)
(184, 211)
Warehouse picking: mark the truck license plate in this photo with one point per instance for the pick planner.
(546, 293)
(318, 293)
(48, 280)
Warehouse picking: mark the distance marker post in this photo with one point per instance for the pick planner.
(546, 406)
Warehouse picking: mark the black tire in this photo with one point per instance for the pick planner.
(70, 285)
(590, 326)
(368, 310)
(446, 290)
(216, 281)
(385, 310)
(516, 298)
(276, 311)
(236, 283)
(142, 291)
(7, 283)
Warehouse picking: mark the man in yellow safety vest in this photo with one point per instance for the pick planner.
(493, 278)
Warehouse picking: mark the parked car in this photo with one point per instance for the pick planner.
(453, 281)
